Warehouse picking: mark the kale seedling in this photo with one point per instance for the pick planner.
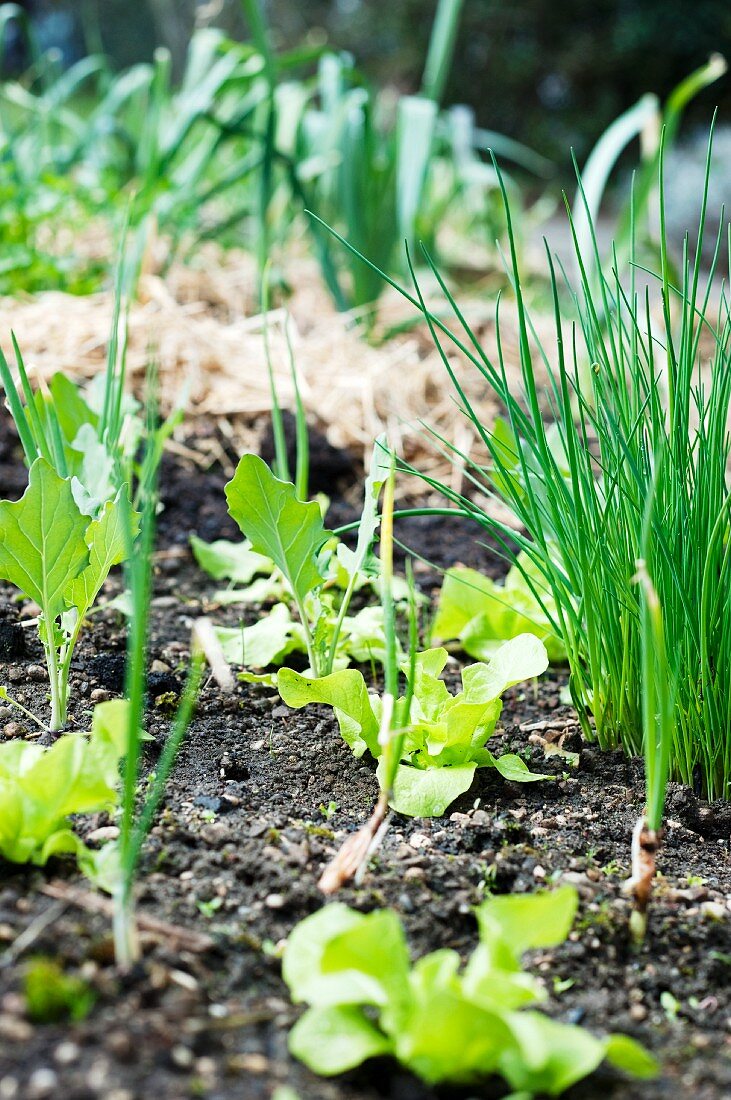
(291, 534)
(59, 557)
(439, 1020)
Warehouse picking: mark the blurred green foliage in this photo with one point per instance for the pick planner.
(553, 75)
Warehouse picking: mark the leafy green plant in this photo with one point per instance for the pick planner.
(481, 613)
(55, 555)
(40, 787)
(51, 996)
(653, 419)
(290, 533)
(445, 735)
(441, 1021)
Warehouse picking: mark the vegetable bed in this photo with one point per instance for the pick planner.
(261, 798)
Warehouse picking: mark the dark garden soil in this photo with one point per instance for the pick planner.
(262, 797)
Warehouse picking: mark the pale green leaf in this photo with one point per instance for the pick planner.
(354, 560)
(107, 540)
(338, 956)
(335, 1039)
(347, 693)
(482, 614)
(515, 770)
(626, 1054)
(548, 1057)
(233, 561)
(524, 921)
(519, 659)
(93, 481)
(427, 792)
(266, 642)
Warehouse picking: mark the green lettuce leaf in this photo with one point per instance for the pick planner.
(445, 735)
(442, 1022)
(481, 613)
(40, 787)
(347, 693)
(231, 561)
(335, 1039)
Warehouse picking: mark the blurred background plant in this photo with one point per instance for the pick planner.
(227, 119)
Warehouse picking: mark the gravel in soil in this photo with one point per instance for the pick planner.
(262, 797)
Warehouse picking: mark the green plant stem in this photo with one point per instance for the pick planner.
(391, 742)
(441, 49)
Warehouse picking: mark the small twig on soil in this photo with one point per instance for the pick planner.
(372, 849)
(159, 929)
(205, 640)
(355, 851)
(645, 846)
(36, 928)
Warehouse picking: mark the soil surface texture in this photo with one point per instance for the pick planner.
(263, 796)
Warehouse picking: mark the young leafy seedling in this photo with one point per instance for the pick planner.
(439, 1020)
(40, 787)
(291, 534)
(55, 555)
(444, 735)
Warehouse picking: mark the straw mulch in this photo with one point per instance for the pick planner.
(201, 324)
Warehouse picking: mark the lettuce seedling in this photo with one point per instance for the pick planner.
(291, 534)
(481, 613)
(276, 635)
(40, 787)
(444, 735)
(439, 1020)
(58, 557)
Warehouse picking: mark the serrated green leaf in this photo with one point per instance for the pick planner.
(42, 544)
(285, 529)
(107, 540)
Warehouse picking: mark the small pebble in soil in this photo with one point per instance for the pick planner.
(223, 805)
(43, 1082)
(66, 1053)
